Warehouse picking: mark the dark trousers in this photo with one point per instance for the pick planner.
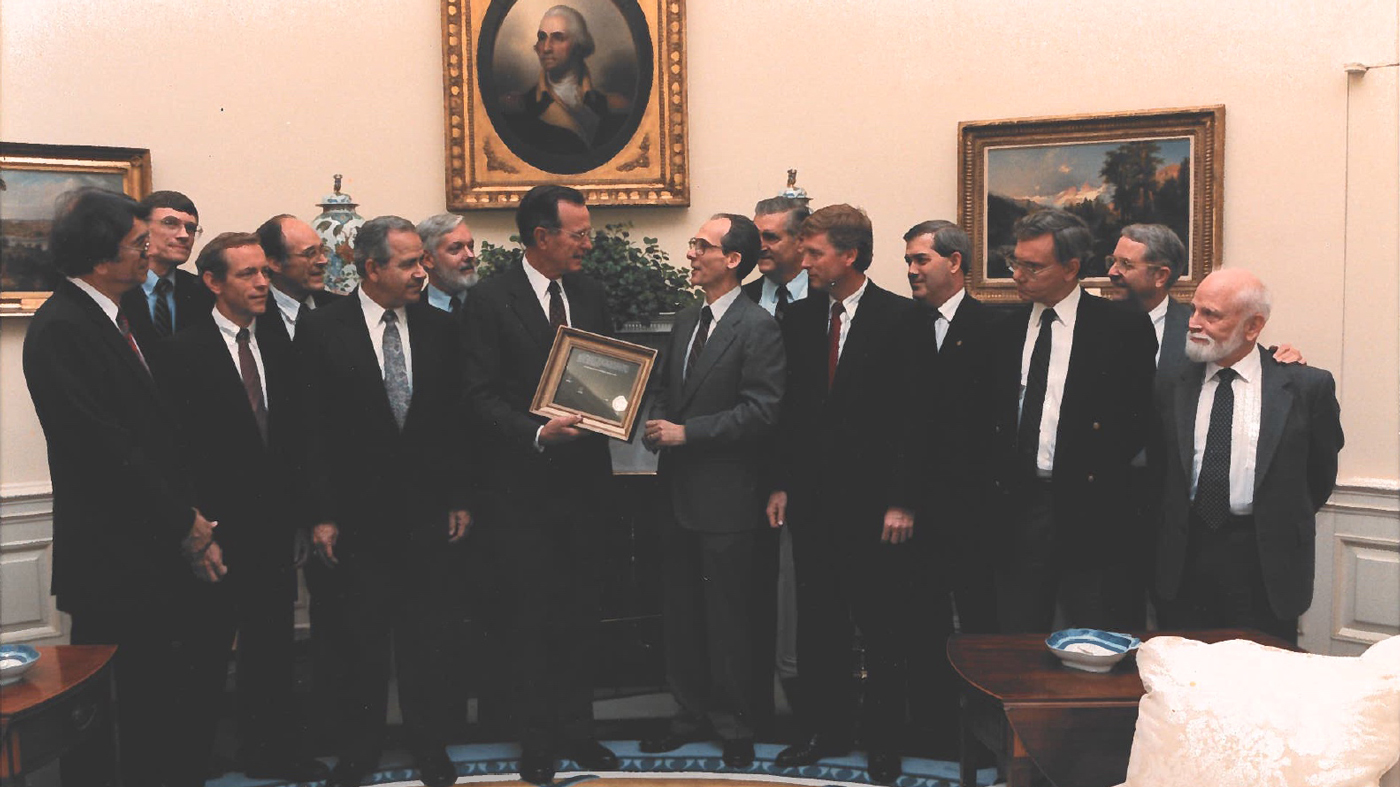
(843, 580)
(707, 605)
(147, 674)
(1222, 584)
(330, 644)
(763, 620)
(257, 607)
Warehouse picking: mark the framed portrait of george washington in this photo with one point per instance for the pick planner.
(1161, 166)
(586, 93)
(32, 178)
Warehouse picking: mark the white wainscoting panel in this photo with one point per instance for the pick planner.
(27, 610)
(1356, 600)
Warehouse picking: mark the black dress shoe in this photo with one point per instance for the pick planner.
(668, 742)
(350, 771)
(292, 769)
(537, 768)
(883, 767)
(811, 750)
(738, 753)
(592, 755)
(435, 768)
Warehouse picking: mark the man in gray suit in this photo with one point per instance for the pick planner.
(1248, 449)
(722, 381)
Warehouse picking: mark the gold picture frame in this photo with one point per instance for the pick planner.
(1167, 164)
(598, 377)
(506, 132)
(32, 176)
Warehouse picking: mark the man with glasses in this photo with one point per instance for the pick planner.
(298, 257)
(548, 486)
(1071, 391)
(124, 524)
(169, 298)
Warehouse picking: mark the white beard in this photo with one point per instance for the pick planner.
(1213, 350)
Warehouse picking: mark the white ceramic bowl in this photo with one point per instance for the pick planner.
(1091, 650)
(15, 660)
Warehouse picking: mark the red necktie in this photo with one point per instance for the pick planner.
(833, 342)
(125, 328)
(252, 383)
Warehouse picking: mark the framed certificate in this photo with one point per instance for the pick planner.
(599, 378)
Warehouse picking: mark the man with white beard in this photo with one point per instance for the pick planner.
(1247, 448)
(449, 256)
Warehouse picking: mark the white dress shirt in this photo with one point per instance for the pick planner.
(949, 310)
(797, 290)
(717, 310)
(851, 303)
(229, 332)
(540, 284)
(1061, 343)
(1244, 428)
(374, 321)
(1159, 323)
(107, 305)
(288, 307)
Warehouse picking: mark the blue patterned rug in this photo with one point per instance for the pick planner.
(697, 764)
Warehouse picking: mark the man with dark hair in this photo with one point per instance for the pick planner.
(955, 547)
(390, 486)
(234, 405)
(549, 486)
(169, 298)
(1071, 381)
(780, 258)
(298, 259)
(124, 521)
(722, 381)
(844, 481)
(449, 255)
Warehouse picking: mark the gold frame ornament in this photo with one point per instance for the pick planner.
(26, 224)
(1086, 148)
(642, 159)
(598, 377)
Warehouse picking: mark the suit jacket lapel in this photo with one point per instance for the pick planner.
(721, 336)
(871, 312)
(680, 348)
(1188, 395)
(527, 307)
(363, 346)
(111, 335)
(1277, 399)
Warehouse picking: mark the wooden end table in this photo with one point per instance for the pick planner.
(1040, 716)
(64, 700)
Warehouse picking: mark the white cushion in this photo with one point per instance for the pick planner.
(1241, 714)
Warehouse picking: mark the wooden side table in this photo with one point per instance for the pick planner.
(65, 699)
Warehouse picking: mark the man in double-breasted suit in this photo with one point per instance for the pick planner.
(1248, 454)
(169, 298)
(547, 486)
(235, 405)
(722, 381)
(1070, 397)
(122, 510)
(390, 484)
(846, 484)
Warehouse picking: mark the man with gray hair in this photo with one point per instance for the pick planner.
(1248, 451)
(1070, 385)
(389, 490)
(784, 279)
(449, 256)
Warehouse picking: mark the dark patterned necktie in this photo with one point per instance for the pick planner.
(557, 315)
(784, 298)
(1212, 503)
(125, 327)
(252, 381)
(456, 303)
(701, 334)
(833, 342)
(162, 320)
(1033, 403)
(395, 369)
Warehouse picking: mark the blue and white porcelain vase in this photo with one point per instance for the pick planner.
(337, 226)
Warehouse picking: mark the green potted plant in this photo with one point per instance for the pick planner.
(641, 283)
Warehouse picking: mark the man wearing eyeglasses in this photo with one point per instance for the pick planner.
(1071, 392)
(298, 257)
(169, 298)
(547, 485)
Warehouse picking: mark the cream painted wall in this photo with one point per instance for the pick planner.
(250, 106)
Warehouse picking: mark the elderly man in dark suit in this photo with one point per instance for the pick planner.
(845, 482)
(547, 488)
(723, 380)
(123, 517)
(1248, 450)
(234, 402)
(1070, 391)
(170, 298)
(390, 486)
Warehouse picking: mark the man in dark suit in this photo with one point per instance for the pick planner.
(723, 380)
(234, 404)
(1071, 382)
(298, 259)
(844, 481)
(124, 525)
(1248, 450)
(956, 551)
(449, 254)
(390, 486)
(783, 279)
(547, 488)
(169, 299)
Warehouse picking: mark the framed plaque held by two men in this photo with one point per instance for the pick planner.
(597, 377)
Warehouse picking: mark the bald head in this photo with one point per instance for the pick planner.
(1229, 311)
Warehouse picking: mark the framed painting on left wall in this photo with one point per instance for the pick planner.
(32, 177)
